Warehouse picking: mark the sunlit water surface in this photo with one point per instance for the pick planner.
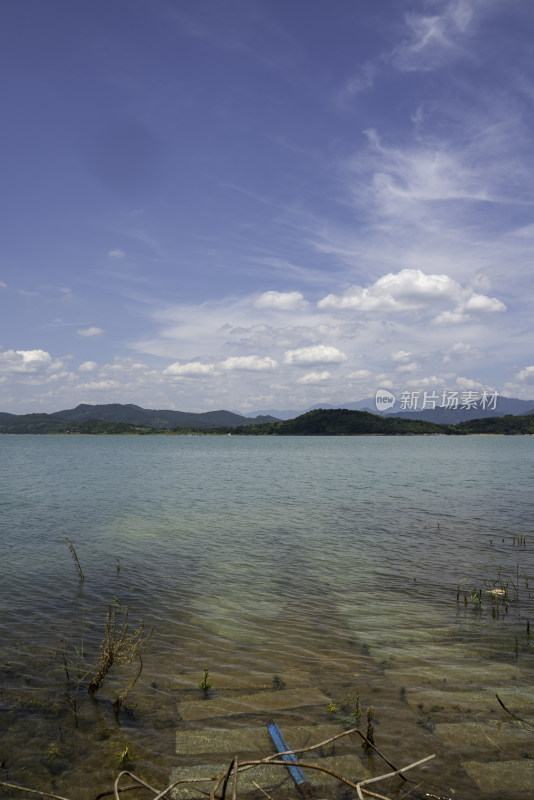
(332, 562)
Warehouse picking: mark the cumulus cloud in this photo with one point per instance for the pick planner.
(249, 363)
(412, 366)
(314, 377)
(413, 290)
(117, 253)
(460, 350)
(281, 301)
(401, 356)
(317, 354)
(28, 361)
(526, 375)
(87, 366)
(192, 369)
(90, 332)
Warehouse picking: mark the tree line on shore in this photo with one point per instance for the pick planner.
(319, 422)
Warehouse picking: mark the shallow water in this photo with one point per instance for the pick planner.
(331, 562)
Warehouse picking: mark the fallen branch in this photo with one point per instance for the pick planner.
(236, 767)
(391, 774)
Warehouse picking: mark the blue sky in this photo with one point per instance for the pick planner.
(264, 204)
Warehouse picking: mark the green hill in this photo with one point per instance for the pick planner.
(155, 418)
(343, 422)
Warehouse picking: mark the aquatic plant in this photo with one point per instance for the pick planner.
(278, 683)
(125, 757)
(205, 683)
(370, 732)
(119, 647)
(496, 584)
(332, 708)
(76, 560)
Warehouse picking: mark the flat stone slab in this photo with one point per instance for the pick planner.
(257, 703)
(503, 777)
(245, 740)
(517, 699)
(487, 733)
(239, 680)
(460, 675)
(435, 700)
(271, 779)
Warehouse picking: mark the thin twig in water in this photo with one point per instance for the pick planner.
(528, 724)
(76, 560)
(333, 739)
(32, 791)
(391, 774)
(234, 788)
(268, 796)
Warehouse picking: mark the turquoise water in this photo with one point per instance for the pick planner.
(335, 557)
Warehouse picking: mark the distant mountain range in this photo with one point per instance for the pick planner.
(128, 414)
(112, 419)
(135, 415)
(442, 416)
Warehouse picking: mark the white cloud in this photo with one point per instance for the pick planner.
(193, 369)
(360, 374)
(401, 356)
(117, 253)
(314, 377)
(432, 40)
(460, 350)
(89, 332)
(479, 302)
(249, 363)
(28, 361)
(468, 384)
(411, 367)
(413, 290)
(407, 290)
(3, 285)
(87, 366)
(526, 375)
(99, 386)
(282, 301)
(318, 354)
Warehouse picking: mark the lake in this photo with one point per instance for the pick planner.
(311, 576)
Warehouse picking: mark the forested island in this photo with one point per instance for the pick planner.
(319, 422)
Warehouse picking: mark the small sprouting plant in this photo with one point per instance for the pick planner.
(278, 683)
(53, 752)
(351, 706)
(205, 684)
(356, 714)
(476, 597)
(370, 732)
(125, 757)
(332, 708)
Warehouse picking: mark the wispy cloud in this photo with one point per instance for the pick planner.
(90, 332)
